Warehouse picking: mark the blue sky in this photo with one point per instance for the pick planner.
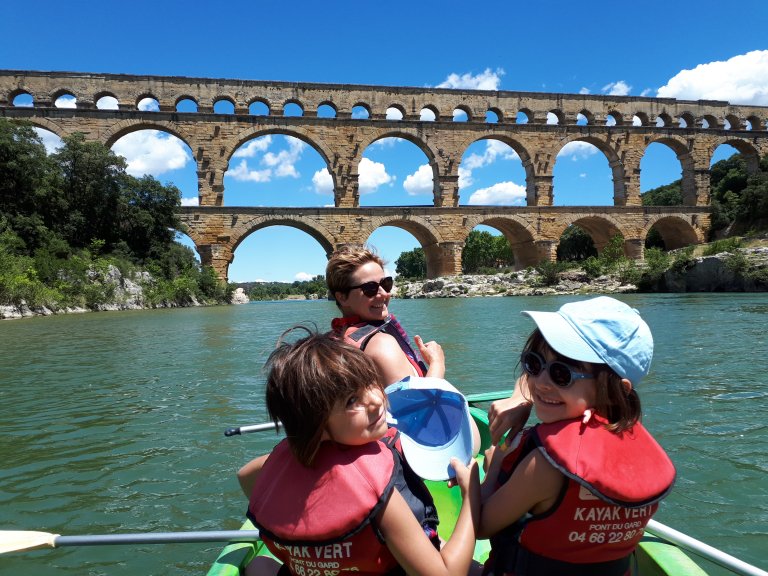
(683, 49)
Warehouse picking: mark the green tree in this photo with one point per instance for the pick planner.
(575, 245)
(483, 250)
(412, 264)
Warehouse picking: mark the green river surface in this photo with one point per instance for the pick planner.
(113, 422)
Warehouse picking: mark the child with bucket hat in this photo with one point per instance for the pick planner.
(572, 494)
(338, 492)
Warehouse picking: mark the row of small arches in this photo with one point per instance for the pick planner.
(362, 111)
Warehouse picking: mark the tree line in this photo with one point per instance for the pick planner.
(68, 217)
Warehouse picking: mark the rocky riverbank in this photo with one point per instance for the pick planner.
(701, 274)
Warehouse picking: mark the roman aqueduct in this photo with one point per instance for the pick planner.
(535, 125)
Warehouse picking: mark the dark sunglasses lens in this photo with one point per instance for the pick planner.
(370, 289)
(560, 374)
(387, 283)
(531, 363)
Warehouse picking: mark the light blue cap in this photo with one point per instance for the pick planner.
(434, 423)
(600, 330)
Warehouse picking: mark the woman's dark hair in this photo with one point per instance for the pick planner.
(305, 380)
(622, 409)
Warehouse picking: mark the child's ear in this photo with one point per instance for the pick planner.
(627, 385)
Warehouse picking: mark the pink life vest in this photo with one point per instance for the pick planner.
(614, 485)
(357, 333)
(323, 518)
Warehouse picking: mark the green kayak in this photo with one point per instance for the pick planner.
(655, 556)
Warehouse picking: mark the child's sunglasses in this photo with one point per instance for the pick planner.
(370, 289)
(560, 373)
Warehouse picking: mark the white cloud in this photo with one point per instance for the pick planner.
(385, 143)
(371, 176)
(426, 115)
(502, 193)
(190, 201)
(494, 150)
(742, 79)
(107, 103)
(148, 105)
(584, 91)
(551, 118)
(486, 80)
(66, 101)
(646, 92)
(394, 114)
(242, 173)
(420, 182)
(619, 88)
(578, 150)
(322, 181)
(50, 140)
(152, 152)
(255, 146)
(284, 162)
(304, 276)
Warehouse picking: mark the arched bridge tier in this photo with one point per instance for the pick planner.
(536, 125)
(533, 232)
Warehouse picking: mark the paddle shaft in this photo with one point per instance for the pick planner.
(471, 399)
(704, 550)
(158, 538)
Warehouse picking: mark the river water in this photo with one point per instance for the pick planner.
(113, 422)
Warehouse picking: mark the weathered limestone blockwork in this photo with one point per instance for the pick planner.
(533, 231)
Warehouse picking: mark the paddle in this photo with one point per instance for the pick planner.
(17, 540)
(471, 399)
(704, 550)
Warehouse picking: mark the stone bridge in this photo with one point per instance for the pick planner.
(341, 121)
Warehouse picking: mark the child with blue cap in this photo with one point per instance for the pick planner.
(572, 494)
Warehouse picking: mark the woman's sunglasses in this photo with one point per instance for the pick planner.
(560, 373)
(370, 289)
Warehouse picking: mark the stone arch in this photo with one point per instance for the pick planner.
(676, 231)
(49, 125)
(644, 118)
(120, 129)
(525, 157)
(428, 236)
(687, 163)
(296, 102)
(755, 122)
(600, 227)
(142, 95)
(104, 94)
(364, 105)
(614, 163)
(557, 113)
(518, 232)
(19, 92)
(617, 116)
(259, 100)
(588, 115)
(666, 119)
(529, 115)
(330, 105)
(242, 229)
(296, 132)
(711, 120)
(183, 97)
(498, 112)
(432, 108)
(466, 110)
(399, 107)
(59, 92)
(689, 119)
(734, 122)
(223, 98)
(744, 147)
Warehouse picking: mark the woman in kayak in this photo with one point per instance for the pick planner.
(357, 281)
(336, 495)
(572, 495)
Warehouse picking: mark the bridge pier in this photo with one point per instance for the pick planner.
(217, 256)
(443, 259)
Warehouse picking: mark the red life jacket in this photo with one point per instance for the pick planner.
(614, 483)
(358, 333)
(322, 520)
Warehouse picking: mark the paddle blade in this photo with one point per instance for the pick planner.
(16, 540)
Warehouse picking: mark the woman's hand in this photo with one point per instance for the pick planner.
(433, 355)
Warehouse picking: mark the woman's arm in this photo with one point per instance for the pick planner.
(410, 546)
(390, 359)
(247, 475)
